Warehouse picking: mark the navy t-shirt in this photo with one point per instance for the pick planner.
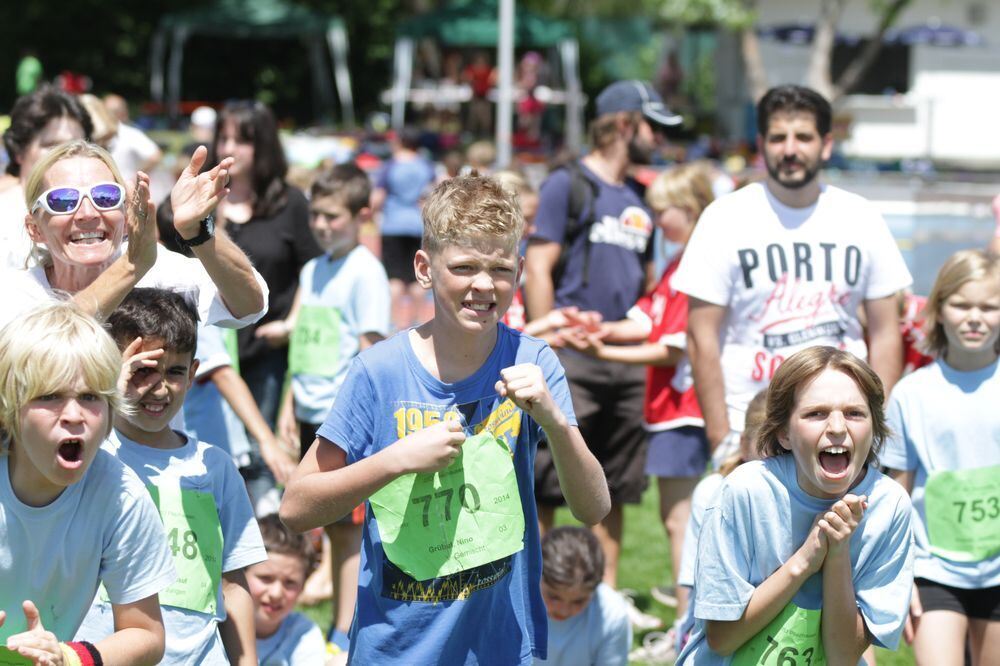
(620, 245)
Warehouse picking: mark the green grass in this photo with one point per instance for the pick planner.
(645, 563)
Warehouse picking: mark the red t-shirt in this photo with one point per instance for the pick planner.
(911, 327)
(514, 317)
(670, 397)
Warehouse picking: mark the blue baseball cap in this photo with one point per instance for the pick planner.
(635, 95)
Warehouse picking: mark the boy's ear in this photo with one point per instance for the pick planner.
(193, 371)
(365, 214)
(422, 269)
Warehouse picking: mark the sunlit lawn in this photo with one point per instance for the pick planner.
(645, 564)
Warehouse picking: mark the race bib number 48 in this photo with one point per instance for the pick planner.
(466, 515)
(194, 535)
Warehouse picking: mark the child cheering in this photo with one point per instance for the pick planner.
(806, 554)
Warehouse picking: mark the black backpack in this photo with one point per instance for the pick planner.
(579, 218)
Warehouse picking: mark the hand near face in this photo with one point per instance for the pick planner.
(525, 385)
(140, 224)
(839, 523)
(37, 644)
(197, 194)
(138, 373)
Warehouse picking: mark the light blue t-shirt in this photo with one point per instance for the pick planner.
(491, 614)
(356, 286)
(600, 635)
(944, 419)
(761, 517)
(103, 527)
(207, 415)
(703, 496)
(192, 637)
(404, 181)
(297, 642)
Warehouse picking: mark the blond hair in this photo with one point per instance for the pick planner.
(800, 369)
(513, 181)
(468, 210)
(687, 186)
(962, 267)
(49, 349)
(105, 123)
(481, 154)
(35, 185)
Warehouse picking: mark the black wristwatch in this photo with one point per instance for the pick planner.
(205, 232)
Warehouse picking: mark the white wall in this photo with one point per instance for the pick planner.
(949, 114)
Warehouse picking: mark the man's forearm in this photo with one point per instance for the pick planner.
(539, 295)
(232, 274)
(885, 355)
(709, 386)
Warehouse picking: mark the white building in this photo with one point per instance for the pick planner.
(939, 103)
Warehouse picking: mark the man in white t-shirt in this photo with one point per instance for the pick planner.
(785, 264)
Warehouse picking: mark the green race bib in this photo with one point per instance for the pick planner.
(464, 516)
(11, 658)
(315, 345)
(793, 638)
(232, 347)
(194, 534)
(963, 513)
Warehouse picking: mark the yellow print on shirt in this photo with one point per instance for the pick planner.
(504, 421)
(411, 417)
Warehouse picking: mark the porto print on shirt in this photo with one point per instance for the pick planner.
(811, 287)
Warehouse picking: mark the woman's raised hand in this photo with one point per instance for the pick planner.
(140, 224)
(195, 194)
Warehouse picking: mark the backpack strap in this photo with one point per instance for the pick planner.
(580, 215)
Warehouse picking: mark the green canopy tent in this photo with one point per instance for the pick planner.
(475, 24)
(254, 19)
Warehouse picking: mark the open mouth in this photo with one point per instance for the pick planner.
(835, 460)
(70, 453)
(88, 237)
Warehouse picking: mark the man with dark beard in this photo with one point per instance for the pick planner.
(786, 264)
(598, 258)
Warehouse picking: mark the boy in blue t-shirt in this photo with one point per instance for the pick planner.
(284, 637)
(340, 309)
(437, 428)
(208, 613)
